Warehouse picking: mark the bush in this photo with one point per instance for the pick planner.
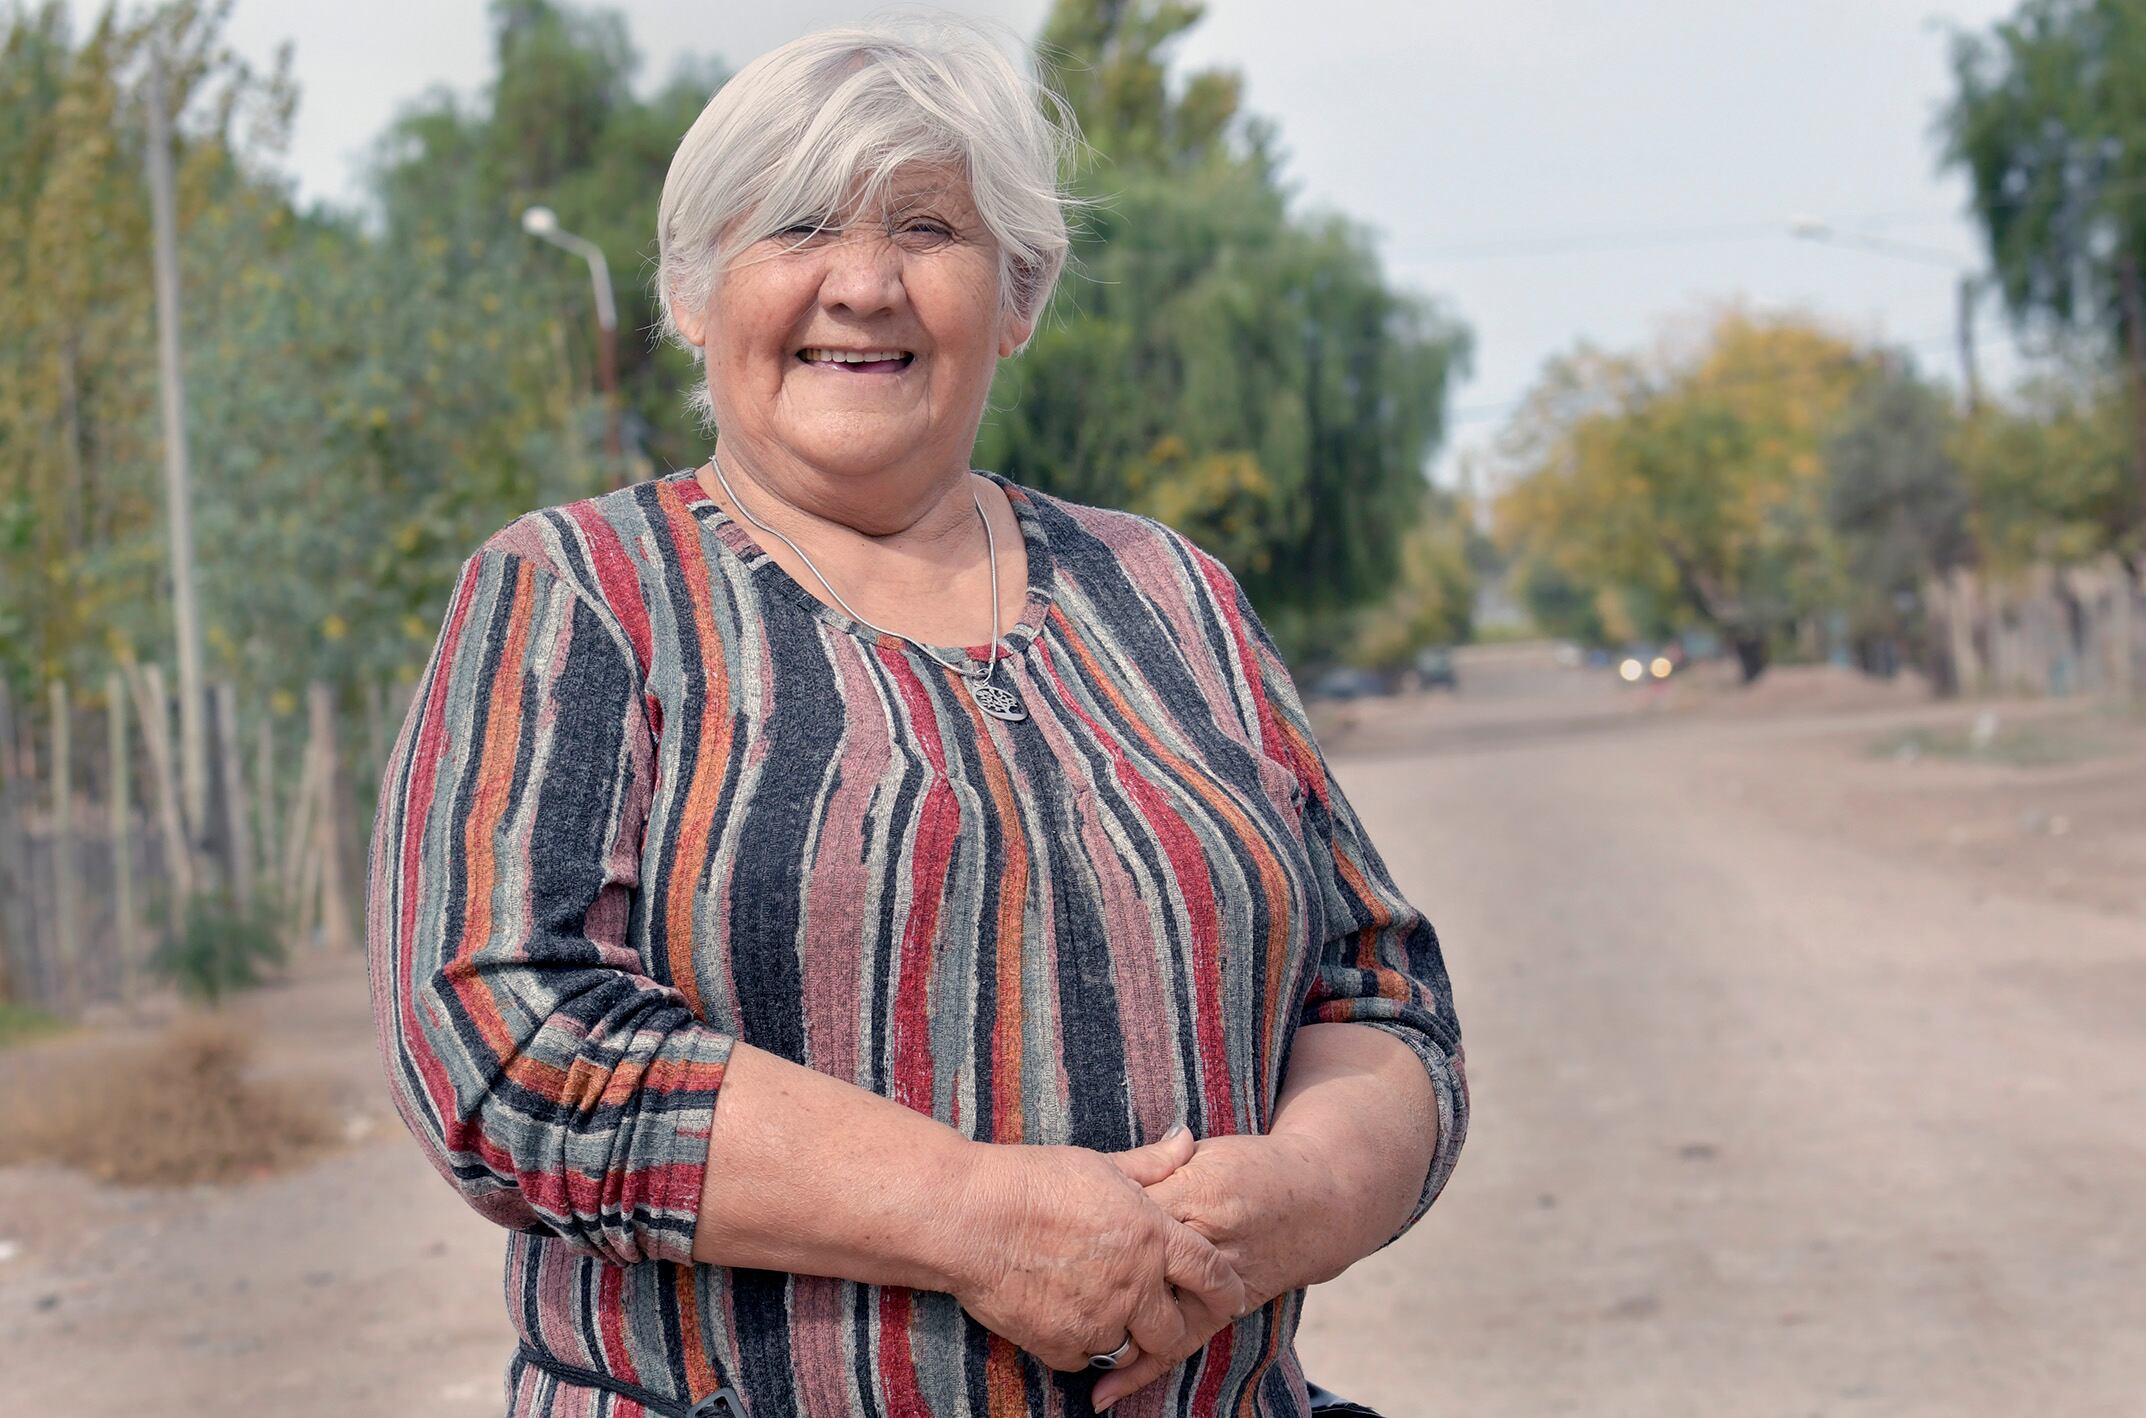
(20, 1023)
(173, 1111)
(222, 947)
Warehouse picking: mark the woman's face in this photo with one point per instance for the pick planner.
(917, 279)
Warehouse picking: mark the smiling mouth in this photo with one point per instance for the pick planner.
(858, 361)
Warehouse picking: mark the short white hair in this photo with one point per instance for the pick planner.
(788, 137)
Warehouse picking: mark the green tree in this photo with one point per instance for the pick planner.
(2049, 122)
(1690, 489)
(1216, 360)
(1433, 598)
(561, 126)
(83, 553)
(2050, 469)
(1559, 605)
(360, 409)
(1897, 502)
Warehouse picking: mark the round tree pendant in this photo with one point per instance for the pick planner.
(998, 703)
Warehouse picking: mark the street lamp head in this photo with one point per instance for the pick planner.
(540, 221)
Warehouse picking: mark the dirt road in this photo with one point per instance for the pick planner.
(1805, 1083)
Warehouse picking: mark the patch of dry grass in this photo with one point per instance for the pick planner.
(2043, 744)
(171, 1112)
(20, 1023)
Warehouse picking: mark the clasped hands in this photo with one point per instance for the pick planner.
(1067, 1252)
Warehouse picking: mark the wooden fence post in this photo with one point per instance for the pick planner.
(2122, 612)
(148, 682)
(335, 921)
(264, 792)
(1961, 607)
(122, 816)
(234, 785)
(66, 940)
(15, 920)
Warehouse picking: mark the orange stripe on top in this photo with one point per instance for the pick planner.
(494, 786)
(1009, 936)
(711, 759)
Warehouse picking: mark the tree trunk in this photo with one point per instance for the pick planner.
(67, 962)
(121, 799)
(1750, 651)
(337, 932)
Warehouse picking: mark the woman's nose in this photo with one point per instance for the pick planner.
(864, 273)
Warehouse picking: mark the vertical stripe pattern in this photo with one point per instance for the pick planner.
(652, 797)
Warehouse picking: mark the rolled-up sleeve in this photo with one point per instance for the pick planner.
(1378, 960)
(544, 1073)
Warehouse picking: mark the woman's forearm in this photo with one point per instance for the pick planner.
(1057, 1249)
(1358, 1110)
(809, 1174)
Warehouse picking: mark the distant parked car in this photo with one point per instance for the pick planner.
(1345, 682)
(1433, 669)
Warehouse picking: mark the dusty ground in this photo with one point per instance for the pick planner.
(1807, 1081)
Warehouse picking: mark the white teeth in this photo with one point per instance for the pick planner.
(850, 356)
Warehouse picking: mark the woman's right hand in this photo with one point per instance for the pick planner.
(1059, 1250)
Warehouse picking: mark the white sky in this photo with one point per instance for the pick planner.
(1552, 169)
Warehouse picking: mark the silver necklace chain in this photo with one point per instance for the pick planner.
(994, 700)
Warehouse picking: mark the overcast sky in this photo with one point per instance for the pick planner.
(1552, 170)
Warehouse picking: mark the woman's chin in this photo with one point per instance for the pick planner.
(859, 447)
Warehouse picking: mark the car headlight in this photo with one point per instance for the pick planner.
(1631, 671)
(1661, 667)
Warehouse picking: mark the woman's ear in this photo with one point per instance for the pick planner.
(693, 324)
(1013, 332)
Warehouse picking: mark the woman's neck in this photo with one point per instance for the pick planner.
(891, 512)
(927, 575)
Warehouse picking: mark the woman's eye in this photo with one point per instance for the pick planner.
(813, 228)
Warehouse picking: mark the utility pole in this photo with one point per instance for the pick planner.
(178, 497)
(1970, 374)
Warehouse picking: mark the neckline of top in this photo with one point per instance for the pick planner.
(735, 537)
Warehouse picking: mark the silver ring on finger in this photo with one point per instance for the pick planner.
(1114, 1358)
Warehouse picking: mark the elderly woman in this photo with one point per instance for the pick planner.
(880, 938)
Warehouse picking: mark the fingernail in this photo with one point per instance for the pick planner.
(1175, 1129)
(1104, 1406)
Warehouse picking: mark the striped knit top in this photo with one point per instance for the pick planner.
(652, 797)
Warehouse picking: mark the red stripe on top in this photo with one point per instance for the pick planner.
(429, 745)
(934, 851)
(616, 578)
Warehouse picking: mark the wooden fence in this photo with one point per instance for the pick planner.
(99, 851)
(2057, 631)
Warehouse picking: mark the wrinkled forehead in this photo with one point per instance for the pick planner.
(906, 186)
(936, 182)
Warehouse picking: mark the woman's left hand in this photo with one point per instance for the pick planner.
(1249, 1196)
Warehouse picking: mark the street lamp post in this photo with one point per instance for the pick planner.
(543, 223)
(1811, 228)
